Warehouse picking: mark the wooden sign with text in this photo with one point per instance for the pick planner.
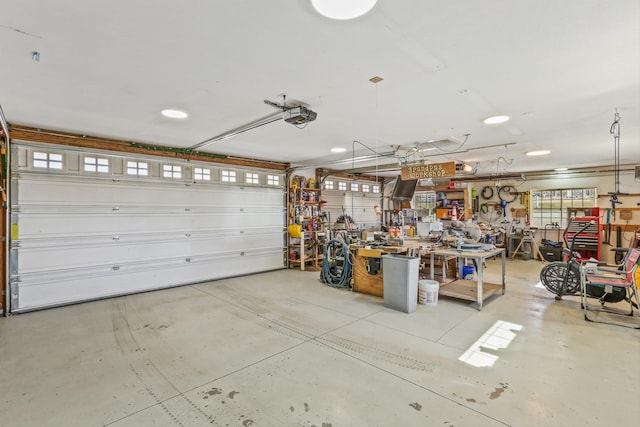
(433, 170)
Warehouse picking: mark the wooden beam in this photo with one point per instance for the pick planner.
(25, 133)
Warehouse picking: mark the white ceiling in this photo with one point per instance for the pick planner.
(560, 69)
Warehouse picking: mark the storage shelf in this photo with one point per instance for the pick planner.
(304, 208)
(468, 289)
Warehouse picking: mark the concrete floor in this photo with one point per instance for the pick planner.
(282, 349)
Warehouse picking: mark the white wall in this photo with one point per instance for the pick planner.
(604, 183)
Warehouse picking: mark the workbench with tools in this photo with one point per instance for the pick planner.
(436, 262)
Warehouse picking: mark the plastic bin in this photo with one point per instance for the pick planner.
(400, 280)
(468, 271)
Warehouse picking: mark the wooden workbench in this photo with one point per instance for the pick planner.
(470, 290)
(372, 284)
(365, 282)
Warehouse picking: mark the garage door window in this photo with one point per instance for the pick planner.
(273, 180)
(96, 164)
(172, 171)
(251, 178)
(202, 174)
(228, 176)
(137, 168)
(47, 160)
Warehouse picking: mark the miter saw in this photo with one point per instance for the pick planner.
(464, 236)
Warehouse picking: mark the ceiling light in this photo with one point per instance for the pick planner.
(174, 114)
(338, 150)
(343, 9)
(494, 120)
(561, 169)
(538, 153)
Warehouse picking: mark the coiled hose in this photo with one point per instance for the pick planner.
(335, 273)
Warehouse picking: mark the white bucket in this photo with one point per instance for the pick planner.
(428, 292)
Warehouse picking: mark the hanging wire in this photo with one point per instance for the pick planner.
(377, 158)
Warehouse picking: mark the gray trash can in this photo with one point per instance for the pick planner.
(400, 279)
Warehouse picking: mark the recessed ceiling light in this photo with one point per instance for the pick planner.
(494, 120)
(538, 153)
(174, 114)
(338, 150)
(561, 169)
(343, 9)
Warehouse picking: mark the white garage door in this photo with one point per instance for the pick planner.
(88, 225)
(355, 199)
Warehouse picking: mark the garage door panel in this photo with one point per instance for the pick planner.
(82, 190)
(76, 238)
(48, 255)
(34, 293)
(73, 225)
(45, 241)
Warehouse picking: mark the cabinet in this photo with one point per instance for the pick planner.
(587, 242)
(446, 199)
(306, 228)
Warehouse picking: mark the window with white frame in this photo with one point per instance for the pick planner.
(251, 178)
(137, 168)
(354, 186)
(342, 186)
(46, 160)
(328, 185)
(273, 180)
(202, 174)
(375, 189)
(366, 188)
(228, 176)
(96, 164)
(552, 206)
(172, 171)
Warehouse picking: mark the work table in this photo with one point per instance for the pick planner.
(470, 290)
(368, 277)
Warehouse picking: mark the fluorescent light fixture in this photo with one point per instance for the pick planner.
(494, 120)
(338, 150)
(538, 153)
(561, 169)
(174, 114)
(343, 9)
